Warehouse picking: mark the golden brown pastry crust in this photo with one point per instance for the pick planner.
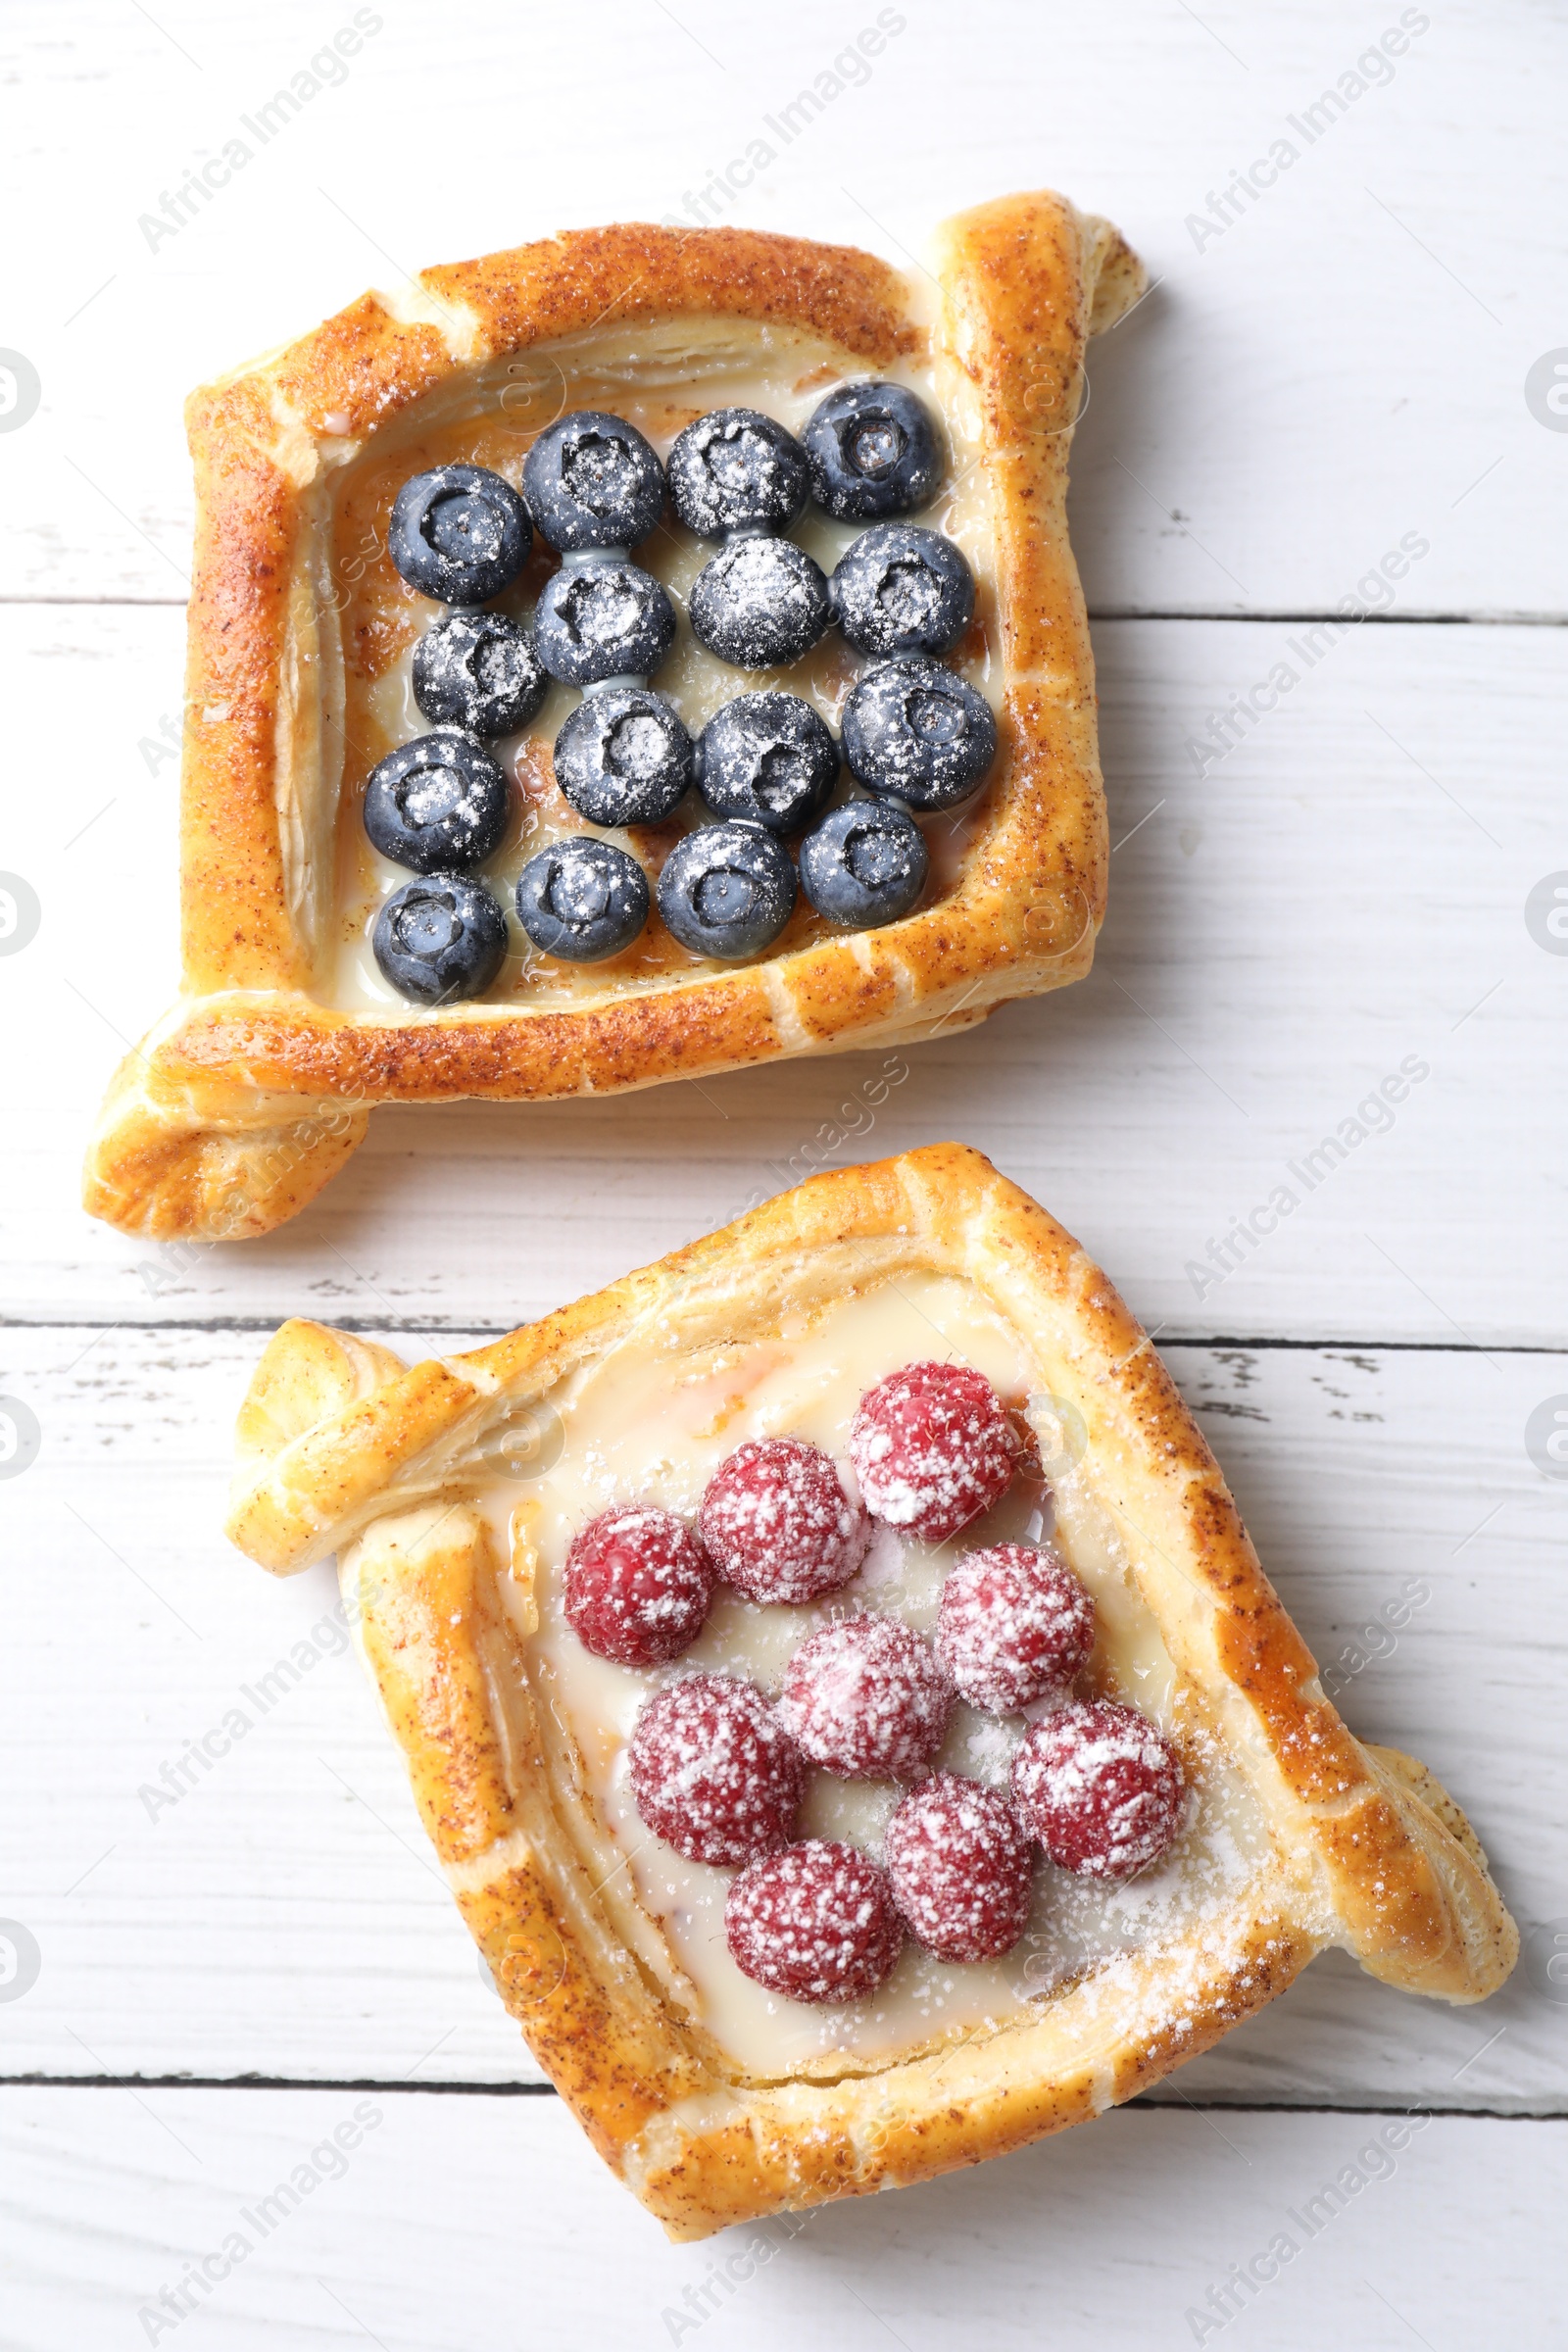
(1368, 1851)
(213, 1126)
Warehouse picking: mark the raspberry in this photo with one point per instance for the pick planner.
(817, 1923)
(638, 1585)
(714, 1772)
(959, 1869)
(778, 1524)
(867, 1700)
(1101, 1787)
(1014, 1623)
(932, 1448)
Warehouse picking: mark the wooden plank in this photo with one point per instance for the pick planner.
(284, 1917)
(1339, 897)
(1337, 362)
(1358, 357)
(434, 2219)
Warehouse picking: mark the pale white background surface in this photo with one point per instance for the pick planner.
(1343, 364)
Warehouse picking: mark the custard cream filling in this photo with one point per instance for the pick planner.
(641, 1427)
(659, 381)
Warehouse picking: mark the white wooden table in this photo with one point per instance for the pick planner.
(1353, 357)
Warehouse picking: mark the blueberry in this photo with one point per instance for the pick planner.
(459, 533)
(865, 863)
(913, 730)
(737, 469)
(440, 939)
(478, 671)
(767, 757)
(728, 890)
(874, 450)
(582, 899)
(902, 590)
(760, 603)
(623, 757)
(436, 803)
(591, 481)
(603, 618)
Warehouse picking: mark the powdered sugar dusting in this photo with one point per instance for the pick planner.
(817, 1923)
(660, 1426)
(866, 1699)
(1101, 1787)
(637, 1586)
(959, 1869)
(714, 1772)
(932, 1448)
(1014, 1624)
(778, 1524)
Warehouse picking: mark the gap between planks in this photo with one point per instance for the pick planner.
(393, 2087)
(412, 1328)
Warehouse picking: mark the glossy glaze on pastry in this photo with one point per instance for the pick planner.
(451, 1491)
(258, 1085)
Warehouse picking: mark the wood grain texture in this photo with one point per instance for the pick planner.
(1344, 363)
(283, 1915)
(454, 2222)
(1344, 890)
(1340, 361)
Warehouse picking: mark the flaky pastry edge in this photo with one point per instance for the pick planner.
(344, 1449)
(250, 1096)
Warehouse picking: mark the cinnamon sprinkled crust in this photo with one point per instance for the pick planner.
(1365, 1851)
(250, 1096)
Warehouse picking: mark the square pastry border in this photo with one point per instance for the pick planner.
(250, 1095)
(343, 1449)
